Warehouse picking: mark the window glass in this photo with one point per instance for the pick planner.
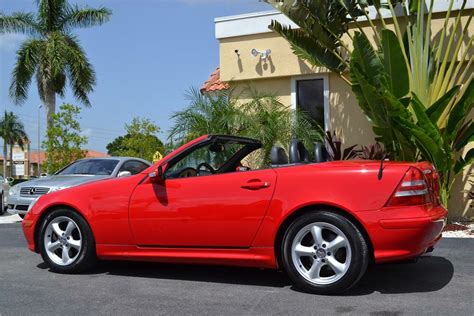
(134, 166)
(215, 155)
(90, 167)
(310, 99)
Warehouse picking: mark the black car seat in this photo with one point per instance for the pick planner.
(298, 153)
(278, 156)
(320, 153)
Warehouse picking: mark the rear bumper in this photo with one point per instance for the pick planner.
(404, 233)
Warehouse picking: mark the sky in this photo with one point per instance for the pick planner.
(146, 57)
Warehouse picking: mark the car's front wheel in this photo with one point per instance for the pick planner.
(324, 253)
(66, 242)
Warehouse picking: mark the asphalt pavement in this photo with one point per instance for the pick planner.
(442, 284)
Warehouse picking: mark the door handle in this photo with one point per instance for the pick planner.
(256, 185)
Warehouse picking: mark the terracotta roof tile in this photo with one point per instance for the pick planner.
(214, 82)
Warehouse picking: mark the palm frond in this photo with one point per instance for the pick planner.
(50, 14)
(19, 22)
(80, 72)
(28, 57)
(76, 16)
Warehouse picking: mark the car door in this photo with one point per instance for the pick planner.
(214, 210)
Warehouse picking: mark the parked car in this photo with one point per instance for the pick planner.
(81, 171)
(322, 222)
(4, 188)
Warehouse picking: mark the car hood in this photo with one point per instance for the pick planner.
(61, 181)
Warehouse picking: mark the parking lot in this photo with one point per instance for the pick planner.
(440, 284)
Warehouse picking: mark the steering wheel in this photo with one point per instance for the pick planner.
(208, 167)
(187, 173)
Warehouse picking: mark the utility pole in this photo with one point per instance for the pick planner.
(39, 140)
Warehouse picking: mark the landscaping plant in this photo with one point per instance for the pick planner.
(417, 99)
(262, 117)
(140, 140)
(64, 141)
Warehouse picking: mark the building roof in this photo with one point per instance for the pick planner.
(214, 82)
(258, 22)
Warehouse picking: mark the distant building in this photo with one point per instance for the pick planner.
(25, 162)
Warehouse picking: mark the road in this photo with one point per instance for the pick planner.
(442, 284)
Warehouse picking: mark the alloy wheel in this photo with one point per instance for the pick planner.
(63, 241)
(321, 253)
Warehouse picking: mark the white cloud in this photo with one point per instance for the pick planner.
(86, 132)
(9, 42)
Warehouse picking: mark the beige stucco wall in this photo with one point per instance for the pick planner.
(275, 76)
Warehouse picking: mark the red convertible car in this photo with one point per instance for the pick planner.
(321, 222)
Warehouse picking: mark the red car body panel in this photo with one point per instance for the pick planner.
(235, 218)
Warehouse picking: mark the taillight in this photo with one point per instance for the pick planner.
(413, 190)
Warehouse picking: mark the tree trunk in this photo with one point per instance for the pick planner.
(50, 103)
(5, 153)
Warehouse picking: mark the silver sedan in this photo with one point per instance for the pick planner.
(81, 171)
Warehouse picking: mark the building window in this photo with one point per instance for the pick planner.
(310, 98)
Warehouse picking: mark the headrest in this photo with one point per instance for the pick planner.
(320, 153)
(278, 156)
(298, 153)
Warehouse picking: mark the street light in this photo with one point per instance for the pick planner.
(39, 140)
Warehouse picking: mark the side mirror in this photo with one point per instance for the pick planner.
(123, 174)
(158, 175)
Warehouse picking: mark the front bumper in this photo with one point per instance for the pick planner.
(28, 226)
(406, 232)
(18, 204)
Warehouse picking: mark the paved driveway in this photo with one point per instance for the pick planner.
(442, 284)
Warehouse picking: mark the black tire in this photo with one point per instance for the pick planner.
(22, 216)
(86, 257)
(356, 241)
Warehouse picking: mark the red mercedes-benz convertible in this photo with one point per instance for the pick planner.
(322, 222)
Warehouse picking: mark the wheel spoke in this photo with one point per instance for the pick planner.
(317, 234)
(57, 230)
(65, 255)
(335, 265)
(75, 244)
(337, 243)
(70, 227)
(315, 270)
(304, 251)
(53, 246)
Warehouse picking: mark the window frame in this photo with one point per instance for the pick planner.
(250, 145)
(294, 96)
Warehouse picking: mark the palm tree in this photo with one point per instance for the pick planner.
(262, 117)
(208, 114)
(13, 132)
(53, 54)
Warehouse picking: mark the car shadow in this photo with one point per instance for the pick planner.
(429, 274)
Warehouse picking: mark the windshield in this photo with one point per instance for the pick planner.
(90, 167)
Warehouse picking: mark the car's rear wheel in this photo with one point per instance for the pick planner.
(66, 242)
(324, 253)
